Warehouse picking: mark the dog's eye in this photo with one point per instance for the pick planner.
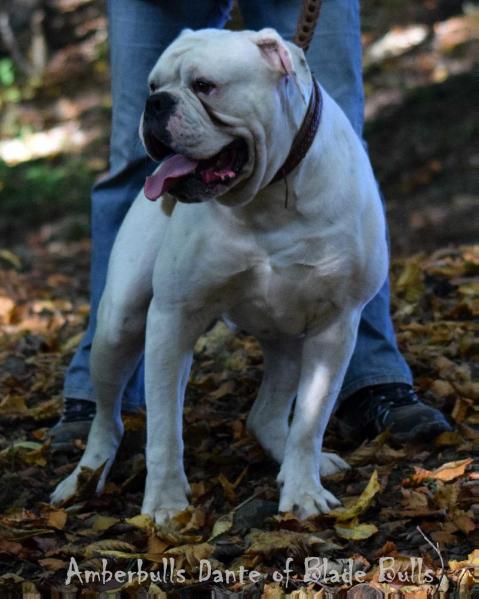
(153, 87)
(201, 86)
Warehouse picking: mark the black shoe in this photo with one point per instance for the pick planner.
(74, 424)
(394, 407)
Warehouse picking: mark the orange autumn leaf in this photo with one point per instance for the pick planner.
(446, 472)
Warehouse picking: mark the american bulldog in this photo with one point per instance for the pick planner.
(268, 214)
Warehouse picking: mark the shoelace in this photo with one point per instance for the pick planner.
(379, 409)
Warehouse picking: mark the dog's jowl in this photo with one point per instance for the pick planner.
(277, 225)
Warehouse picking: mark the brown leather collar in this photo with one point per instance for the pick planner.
(305, 136)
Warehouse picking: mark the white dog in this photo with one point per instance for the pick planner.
(289, 247)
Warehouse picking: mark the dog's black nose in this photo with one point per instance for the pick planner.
(160, 104)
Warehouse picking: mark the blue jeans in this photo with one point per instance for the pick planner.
(139, 31)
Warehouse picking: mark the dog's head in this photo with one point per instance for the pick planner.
(222, 113)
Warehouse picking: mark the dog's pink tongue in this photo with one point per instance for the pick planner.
(172, 168)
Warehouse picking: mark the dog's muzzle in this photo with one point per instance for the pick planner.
(188, 179)
(158, 109)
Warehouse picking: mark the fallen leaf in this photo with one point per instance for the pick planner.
(13, 405)
(361, 504)
(228, 487)
(53, 564)
(57, 519)
(111, 548)
(446, 472)
(464, 522)
(222, 525)
(354, 531)
(269, 543)
(7, 309)
(71, 344)
(156, 547)
(29, 452)
(11, 259)
(143, 521)
(414, 499)
(101, 523)
(191, 554)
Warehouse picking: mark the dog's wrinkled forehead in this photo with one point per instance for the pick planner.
(221, 55)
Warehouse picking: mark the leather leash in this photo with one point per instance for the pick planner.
(307, 23)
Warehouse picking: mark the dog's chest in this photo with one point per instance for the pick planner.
(284, 300)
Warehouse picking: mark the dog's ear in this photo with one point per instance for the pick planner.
(274, 51)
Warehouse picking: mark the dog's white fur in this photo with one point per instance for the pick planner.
(296, 277)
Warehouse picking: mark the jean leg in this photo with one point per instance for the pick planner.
(139, 31)
(335, 58)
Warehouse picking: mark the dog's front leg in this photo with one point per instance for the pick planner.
(170, 338)
(324, 361)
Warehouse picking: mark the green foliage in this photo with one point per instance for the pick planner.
(38, 191)
(7, 72)
(9, 90)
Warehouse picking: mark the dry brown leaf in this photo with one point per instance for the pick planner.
(414, 499)
(471, 562)
(53, 564)
(111, 548)
(29, 452)
(222, 525)
(279, 541)
(446, 496)
(447, 439)
(156, 547)
(410, 282)
(230, 488)
(191, 554)
(101, 523)
(361, 504)
(464, 521)
(446, 472)
(460, 410)
(445, 534)
(143, 521)
(198, 489)
(12, 405)
(469, 390)
(57, 519)
(72, 343)
(134, 422)
(12, 548)
(355, 531)
(7, 309)
(442, 388)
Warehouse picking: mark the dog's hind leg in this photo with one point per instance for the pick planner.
(119, 336)
(268, 420)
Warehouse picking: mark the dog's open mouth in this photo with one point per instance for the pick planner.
(195, 180)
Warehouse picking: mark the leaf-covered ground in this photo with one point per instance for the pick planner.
(388, 493)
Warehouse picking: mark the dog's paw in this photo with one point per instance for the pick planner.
(65, 489)
(163, 515)
(306, 501)
(331, 463)
(163, 501)
(69, 487)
